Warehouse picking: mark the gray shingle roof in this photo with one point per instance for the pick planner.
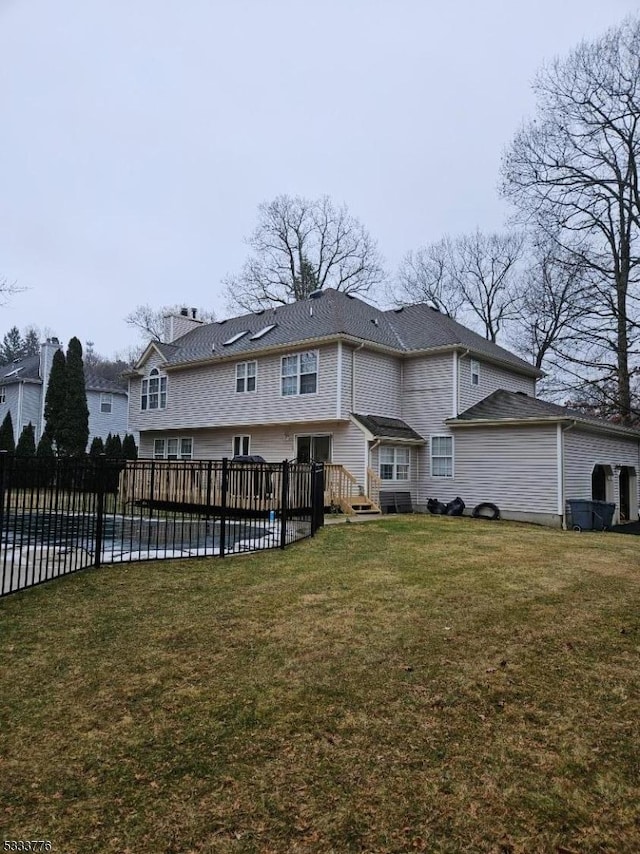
(334, 313)
(29, 369)
(22, 369)
(388, 428)
(93, 382)
(504, 405)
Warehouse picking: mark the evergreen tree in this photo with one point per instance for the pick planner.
(108, 445)
(74, 424)
(26, 446)
(31, 341)
(55, 400)
(97, 447)
(116, 448)
(129, 447)
(7, 440)
(44, 451)
(12, 346)
(46, 460)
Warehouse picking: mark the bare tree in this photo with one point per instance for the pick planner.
(300, 245)
(484, 270)
(8, 289)
(426, 276)
(552, 301)
(149, 321)
(573, 170)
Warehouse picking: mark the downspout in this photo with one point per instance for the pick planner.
(353, 377)
(560, 461)
(339, 383)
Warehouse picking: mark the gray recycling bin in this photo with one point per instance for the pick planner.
(590, 515)
(603, 515)
(581, 514)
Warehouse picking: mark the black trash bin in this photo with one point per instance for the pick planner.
(603, 515)
(581, 512)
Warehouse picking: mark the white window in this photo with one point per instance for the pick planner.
(300, 374)
(106, 402)
(246, 376)
(174, 448)
(3, 394)
(154, 391)
(442, 456)
(475, 372)
(394, 463)
(241, 445)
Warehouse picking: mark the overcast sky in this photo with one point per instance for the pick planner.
(139, 136)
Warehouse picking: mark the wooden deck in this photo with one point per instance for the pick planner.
(251, 487)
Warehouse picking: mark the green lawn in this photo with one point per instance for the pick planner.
(410, 684)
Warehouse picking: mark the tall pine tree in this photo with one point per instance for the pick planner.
(55, 400)
(26, 446)
(74, 425)
(129, 447)
(12, 346)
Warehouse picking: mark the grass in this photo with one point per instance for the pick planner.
(410, 684)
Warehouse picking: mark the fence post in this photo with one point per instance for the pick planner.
(284, 504)
(209, 475)
(223, 505)
(100, 488)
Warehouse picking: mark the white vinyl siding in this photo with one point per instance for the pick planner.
(583, 450)
(102, 423)
(512, 467)
(200, 397)
(490, 378)
(378, 386)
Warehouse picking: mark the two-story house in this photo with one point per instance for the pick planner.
(405, 399)
(23, 390)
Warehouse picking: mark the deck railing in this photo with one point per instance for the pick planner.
(374, 485)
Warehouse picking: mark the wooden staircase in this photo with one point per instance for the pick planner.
(341, 490)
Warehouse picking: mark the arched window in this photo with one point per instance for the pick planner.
(154, 391)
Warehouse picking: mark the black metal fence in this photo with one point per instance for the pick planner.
(58, 516)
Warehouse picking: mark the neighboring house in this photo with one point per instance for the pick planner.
(23, 388)
(404, 400)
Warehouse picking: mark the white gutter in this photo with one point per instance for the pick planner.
(339, 382)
